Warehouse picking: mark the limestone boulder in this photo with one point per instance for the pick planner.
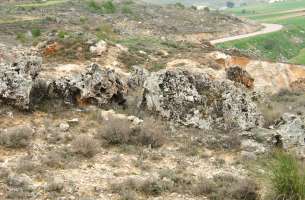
(95, 85)
(18, 71)
(198, 100)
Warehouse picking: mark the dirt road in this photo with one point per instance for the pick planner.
(268, 28)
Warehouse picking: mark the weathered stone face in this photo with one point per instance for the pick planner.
(22, 86)
(18, 71)
(239, 75)
(94, 86)
(198, 100)
(291, 129)
(298, 85)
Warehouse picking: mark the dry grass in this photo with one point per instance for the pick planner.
(121, 131)
(85, 145)
(148, 186)
(16, 137)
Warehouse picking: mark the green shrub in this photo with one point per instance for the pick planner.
(179, 5)
(36, 32)
(83, 19)
(287, 177)
(106, 32)
(93, 6)
(62, 34)
(21, 37)
(126, 10)
(108, 7)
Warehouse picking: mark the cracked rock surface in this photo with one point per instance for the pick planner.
(198, 100)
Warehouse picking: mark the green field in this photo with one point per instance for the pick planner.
(287, 45)
(263, 8)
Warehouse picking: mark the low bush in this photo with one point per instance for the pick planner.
(105, 32)
(148, 186)
(16, 137)
(106, 7)
(36, 32)
(121, 131)
(179, 5)
(234, 188)
(126, 10)
(85, 145)
(222, 187)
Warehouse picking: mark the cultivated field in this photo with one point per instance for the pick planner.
(285, 46)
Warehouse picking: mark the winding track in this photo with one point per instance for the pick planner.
(268, 28)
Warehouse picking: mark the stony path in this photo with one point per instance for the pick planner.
(268, 28)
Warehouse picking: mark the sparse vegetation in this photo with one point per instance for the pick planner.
(16, 137)
(105, 32)
(121, 131)
(97, 133)
(179, 5)
(85, 145)
(220, 187)
(36, 32)
(107, 7)
(287, 177)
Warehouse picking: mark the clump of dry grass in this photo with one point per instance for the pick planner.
(176, 181)
(121, 131)
(234, 188)
(149, 186)
(16, 137)
(85, 145)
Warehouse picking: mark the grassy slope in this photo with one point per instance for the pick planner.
(286, 45)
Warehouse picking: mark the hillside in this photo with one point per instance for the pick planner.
(122, 18)
(124, 100)
(211, 3)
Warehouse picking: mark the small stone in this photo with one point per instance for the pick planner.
(73, 121)
(55, 184)
(64, 126)
(99, 48)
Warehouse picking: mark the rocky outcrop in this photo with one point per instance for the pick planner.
(93, 86)
(270, 77)
(195, 99)
(291, 132)
(298, 85)
(18, 71)
(99, 48)
(138, 77)
(22, 85)
(239, 75)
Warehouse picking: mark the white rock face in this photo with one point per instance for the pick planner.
(292, 132)
(99, 48)
(64, 126)
(197, 100)
(18, 71)
(93, 86)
